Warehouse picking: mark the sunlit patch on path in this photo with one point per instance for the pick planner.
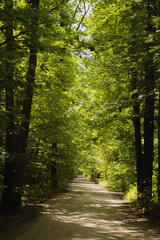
(86, 211)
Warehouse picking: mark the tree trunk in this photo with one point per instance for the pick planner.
(17, 144)
(136, 105)
(137, 131)
(27, 104)
(149, 113)
(8, 194)
(159, 149)
(148, 130)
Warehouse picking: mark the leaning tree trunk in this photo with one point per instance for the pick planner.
(27, 104)
(14, 170)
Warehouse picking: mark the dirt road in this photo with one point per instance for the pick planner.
(87, 211)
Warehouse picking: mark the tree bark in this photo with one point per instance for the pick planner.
(136, 106)
(8, 194)
(149, 112)
(16, 144)
(159, 149)
(27, 103)
(149, 131)
(137, 131)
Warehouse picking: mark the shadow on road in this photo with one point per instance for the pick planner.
(87, 211)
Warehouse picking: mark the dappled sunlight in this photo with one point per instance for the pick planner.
(114, 202)
(86, 212)
(90, 210)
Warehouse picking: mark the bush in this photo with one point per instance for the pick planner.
(131, 194)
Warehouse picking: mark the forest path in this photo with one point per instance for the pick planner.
(86, 211)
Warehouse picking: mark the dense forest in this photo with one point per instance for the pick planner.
(79, 91)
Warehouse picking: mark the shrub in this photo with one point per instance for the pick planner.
(131, 194)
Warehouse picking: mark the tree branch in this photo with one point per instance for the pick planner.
(26, 31)
(74, 15)
(86, 10)
(76, 9)
(58, 6)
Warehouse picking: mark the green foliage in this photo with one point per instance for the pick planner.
(117, 44)
(131, 194)
(83, 94)
(53, 118)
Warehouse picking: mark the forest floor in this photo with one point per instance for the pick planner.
(85, 211)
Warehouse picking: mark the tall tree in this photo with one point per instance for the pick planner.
(159, 148)
(17, 142)
(149, 84)
(124, 54)
(9, 179)
(137, 131)
(135, 87)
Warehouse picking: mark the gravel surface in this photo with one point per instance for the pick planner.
(86, 211)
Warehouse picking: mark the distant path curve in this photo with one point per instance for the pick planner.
(86, 212)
